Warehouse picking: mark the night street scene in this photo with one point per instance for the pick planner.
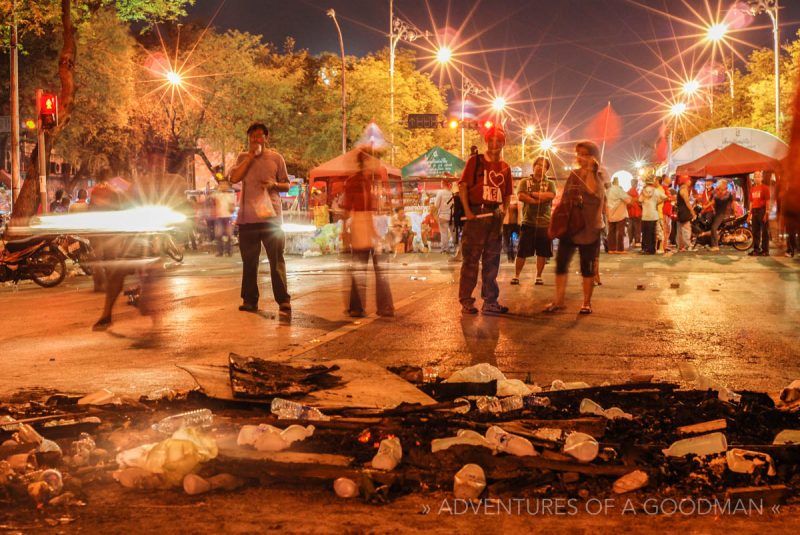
(399, 266)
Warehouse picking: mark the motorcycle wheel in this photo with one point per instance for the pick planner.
(746, 243)
(47, 269)
(172, 250)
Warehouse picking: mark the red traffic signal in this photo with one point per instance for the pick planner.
(48, 110)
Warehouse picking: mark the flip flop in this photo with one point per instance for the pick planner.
(515, 281)
(586, 309)
(552, 308)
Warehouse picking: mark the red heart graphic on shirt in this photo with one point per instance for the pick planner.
(493, 175)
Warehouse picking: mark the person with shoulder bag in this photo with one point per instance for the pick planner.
(577, 222)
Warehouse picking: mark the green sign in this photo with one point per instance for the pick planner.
(435, 162)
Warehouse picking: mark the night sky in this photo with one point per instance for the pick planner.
(559, 61)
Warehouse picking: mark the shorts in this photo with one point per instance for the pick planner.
(588, 255)
(534, 241)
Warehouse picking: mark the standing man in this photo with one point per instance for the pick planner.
(442, 202)
(759, 216)
(263, 174)
(634, 216)
(536, 193)
(484, 189)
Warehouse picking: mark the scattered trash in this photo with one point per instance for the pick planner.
(290, 410)
(581, 446)
(469, 482)
(161, 394)
(787, 436)
(268, 438)
(590, 407)
(490, 404)
(430, 374)
(194, 484)
(704, 427)
(630, 482)
(463, 436)
(709, 444)
(514, 387)
(416, 278)
(480, 373)
(747, 462)
(101, 397)
(198, 418)
(561, 385)
(345, 488)
(548, 433)
(792, 392)
(389, 454)
(509, 443)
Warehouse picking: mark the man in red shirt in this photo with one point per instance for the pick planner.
(759, 216)
(634, 215)
(485, 188)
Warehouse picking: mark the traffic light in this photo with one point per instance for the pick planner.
(48, 110)
(423, 120)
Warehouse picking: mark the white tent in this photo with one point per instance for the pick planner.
(719, 138)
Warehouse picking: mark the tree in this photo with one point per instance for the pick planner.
(44, 16)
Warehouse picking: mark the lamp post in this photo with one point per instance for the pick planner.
(398, 31)
(529, 131)
(444, 55)
(15, 166)
(770, 7)
(332, 14)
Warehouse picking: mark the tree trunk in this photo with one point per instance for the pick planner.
(28, 201)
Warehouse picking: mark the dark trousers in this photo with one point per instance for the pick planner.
(223, 232)
(508, 239)
(481, 242)
(649, 236)
(715, 224)
(760, 231)
(251, 237)
(359, 264)
(616, 235)
(634, 230)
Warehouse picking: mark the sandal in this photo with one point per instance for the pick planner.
(585, 309)
(515, 281)
(539, 281)
(552, 308)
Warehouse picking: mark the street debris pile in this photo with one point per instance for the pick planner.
(477, 434)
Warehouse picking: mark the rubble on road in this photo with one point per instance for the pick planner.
(289, 422)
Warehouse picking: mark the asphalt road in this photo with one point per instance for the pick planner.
(734, 317)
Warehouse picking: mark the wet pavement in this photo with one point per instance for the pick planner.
(733, 316)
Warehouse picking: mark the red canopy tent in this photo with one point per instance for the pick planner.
(332, 174)
(731, 160)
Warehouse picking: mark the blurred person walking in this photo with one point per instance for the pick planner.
(263, 175)
(759, 215)
(443, 202)
(722, 201)
(650, 198)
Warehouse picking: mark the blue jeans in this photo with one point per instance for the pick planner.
(481, 243)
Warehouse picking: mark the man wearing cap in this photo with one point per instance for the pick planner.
(485, 188)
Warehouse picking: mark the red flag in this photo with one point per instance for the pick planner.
(605, 128)
(661, 144)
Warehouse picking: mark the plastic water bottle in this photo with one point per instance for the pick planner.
(345, 488)
(469, 482)
(703, 445)
(291, 410)
(536, 401)
(581, 446)
(499, 405)
(509, 443)
(198, 418)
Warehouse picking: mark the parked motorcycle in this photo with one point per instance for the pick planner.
(35, 258)
(77, 249)
(733, 231)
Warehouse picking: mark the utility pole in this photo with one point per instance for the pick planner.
(332, 14)
(15, 164)
(41, 166)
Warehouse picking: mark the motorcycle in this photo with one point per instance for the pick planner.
(77, 249)
(35, 258)
(733, 231)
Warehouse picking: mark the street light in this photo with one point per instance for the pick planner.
(546, 144)
(499, 104)
(690, 87)
(174, 78)
(770, 7)
(398, 31)
(678, 109)
(444, 56)
(716, 32)
(332, 14)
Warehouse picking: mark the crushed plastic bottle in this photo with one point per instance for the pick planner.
(590, 407)
(561, 385)
(48, 446)
(512, 387)
(631, 481)
(101, 397)
(290, 410)
(709, 444)
(469, 482)
(581, 446)
(509, 443)
(490, 404)
(44, 484)
(463, 437)
(463, 406)
(479, 373)
(82, 449)
(536, 401)
(787, 436)
(389, 454)
(196, 418)
(746, 462)
(345, 488)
